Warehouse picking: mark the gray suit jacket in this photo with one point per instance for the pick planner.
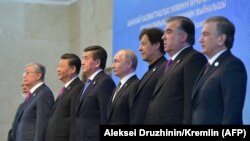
(218, 95)
(171, 100)
(93, 109)
(34, 117)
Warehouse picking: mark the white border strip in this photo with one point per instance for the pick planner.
(50, 2)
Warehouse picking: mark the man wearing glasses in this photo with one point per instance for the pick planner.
(34, 113)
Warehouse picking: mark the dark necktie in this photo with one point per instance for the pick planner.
(116, 90)
(208, 66)
(85, 87)
(61, 91)
(27, 98)
(168, 65)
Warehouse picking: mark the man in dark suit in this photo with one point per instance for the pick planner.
(92, 108)
(171, 100)
(61, 126)
(12, 131)
(219, 93)
(34, 117)
(124, 66)
(152, 51)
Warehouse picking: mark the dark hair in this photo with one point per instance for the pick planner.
(98, 53)
(186, 25)
(154, 35)
(224, 26)
(74, 61)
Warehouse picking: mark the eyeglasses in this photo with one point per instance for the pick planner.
(27, 73)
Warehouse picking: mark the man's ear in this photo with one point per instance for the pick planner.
(222, 39)
(98, 62)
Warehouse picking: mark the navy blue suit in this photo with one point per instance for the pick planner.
(218, 95)
(34, 117)
(93, 109)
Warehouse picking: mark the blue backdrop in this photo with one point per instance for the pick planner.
(130, 16)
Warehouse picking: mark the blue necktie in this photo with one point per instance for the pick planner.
(85, 87)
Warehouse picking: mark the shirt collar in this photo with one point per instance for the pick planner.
(35, 87)
(211, 60)
(94, 74)
(67, 84)
(176, 54)
(125, 79)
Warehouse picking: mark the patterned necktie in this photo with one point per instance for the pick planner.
(85, 87)
(116, 91)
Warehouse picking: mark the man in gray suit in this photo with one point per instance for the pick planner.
(124, 66)
(219, 93)
(171, 100)
(34, 117)
(61, 126)
(92, 106)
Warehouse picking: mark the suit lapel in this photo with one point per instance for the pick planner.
(175, 64)
(74, 82)
(120, 93)
(32, 98)
(88, 90)
(144, 80)
(59, 99)
(203, 77)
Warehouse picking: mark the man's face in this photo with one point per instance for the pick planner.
(209, 39)
(120, 65)
(173, 38)
(146, 48)
(31, 76)
(89, 65)
(64, 70)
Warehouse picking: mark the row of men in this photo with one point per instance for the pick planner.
(187, 88)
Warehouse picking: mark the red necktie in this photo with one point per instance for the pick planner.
(28, 96)
(62, 91)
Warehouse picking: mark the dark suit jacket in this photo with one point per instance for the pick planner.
(140, 101)
(34, 116)
(218, 95)
(61, 126)
(93, 109)
(12, 131)
(119, 110)
(171, 101)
